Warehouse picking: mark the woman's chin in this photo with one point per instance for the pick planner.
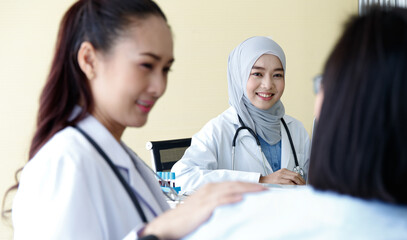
(137, 123)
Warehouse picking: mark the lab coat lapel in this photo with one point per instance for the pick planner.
(144, 173)
(121, 158)
(251, 152)
(247, 151)
(140, 183)
(246, 140)
(106, 141)
(249, 143)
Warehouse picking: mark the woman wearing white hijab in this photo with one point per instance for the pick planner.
(256, 82)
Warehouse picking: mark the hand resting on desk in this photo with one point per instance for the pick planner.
(283, 176)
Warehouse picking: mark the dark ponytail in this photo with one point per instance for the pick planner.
(66, 82)
(99, 22)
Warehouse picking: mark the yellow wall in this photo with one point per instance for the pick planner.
(205, 32)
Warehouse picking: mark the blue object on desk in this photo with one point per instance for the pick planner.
(167, 181)
(168, 189)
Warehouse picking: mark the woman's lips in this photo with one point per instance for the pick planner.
(145, 105)
(265, 96)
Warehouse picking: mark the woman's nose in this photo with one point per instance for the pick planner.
(268, 82)
(158, 85)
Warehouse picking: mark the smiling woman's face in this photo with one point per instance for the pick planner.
(266, 83)
(132, 75)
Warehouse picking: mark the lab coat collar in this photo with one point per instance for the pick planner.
(288, 119)
(233, 116)
(104, 139)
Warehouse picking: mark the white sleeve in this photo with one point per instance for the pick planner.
(133, 234)
(305, 147)
(307, 156)
(302, 144)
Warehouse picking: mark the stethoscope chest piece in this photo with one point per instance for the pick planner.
(299, 170)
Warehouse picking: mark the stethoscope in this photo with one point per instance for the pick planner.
(134, 196)
(297, 168)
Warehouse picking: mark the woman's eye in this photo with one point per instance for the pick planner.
(167, 69)
(147, 65)
(278, 75)
(257, 74)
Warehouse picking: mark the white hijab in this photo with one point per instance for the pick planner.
(266, 123)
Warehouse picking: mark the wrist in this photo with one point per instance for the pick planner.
(149, 237)
(148, 232)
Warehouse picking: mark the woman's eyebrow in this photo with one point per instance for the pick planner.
(262, 68)
(156, 57)
(258, 67)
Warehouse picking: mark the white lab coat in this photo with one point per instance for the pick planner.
(67, 191)
(209, 159)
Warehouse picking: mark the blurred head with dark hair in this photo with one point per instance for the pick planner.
(360, 143)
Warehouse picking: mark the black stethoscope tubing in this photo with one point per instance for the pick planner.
(291, 142)
(258, 141)
(126, 186)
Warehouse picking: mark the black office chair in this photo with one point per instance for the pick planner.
(164, 154)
